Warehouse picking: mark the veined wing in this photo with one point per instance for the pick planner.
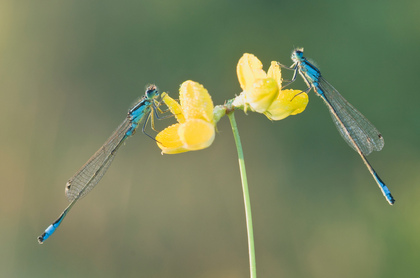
(364, 134)
(91, 173)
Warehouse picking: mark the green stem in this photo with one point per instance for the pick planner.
(247, 201)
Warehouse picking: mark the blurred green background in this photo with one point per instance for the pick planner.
(69, 71)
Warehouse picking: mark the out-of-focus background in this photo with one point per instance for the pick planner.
(70, 70)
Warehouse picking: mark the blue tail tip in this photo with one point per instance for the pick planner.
(390, 199)
(41, 238)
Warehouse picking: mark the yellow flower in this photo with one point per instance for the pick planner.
(259, 90)
(262, 91)
(195, 128)
(289, 102)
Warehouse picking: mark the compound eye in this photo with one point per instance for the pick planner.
(152, 91)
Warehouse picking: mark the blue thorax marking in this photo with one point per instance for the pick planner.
(311, 72)
(136, 114)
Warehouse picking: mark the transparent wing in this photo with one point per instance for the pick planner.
(364, 134)
(91, 173)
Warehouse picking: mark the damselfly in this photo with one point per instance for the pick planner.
(91, 173)
(356, 130)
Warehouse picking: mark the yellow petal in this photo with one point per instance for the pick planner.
(196, 134)
(262, 94)
(289, 102)
(195, 101)
(169, 141)
(249, 69)
(275, 72)
(174, 107)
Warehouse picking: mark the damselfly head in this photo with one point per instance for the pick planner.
(297, 54)
(152, 91)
